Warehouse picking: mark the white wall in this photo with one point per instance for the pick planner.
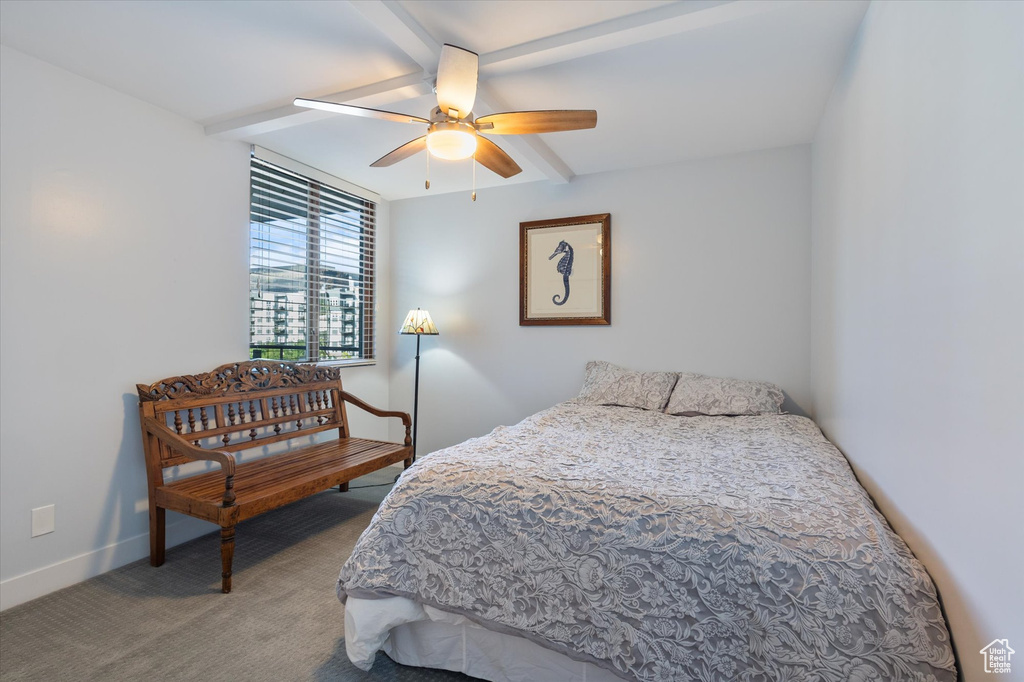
(918, 295)
(710, 273)
(123, 259)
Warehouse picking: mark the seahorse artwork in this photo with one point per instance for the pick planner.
(564, 269)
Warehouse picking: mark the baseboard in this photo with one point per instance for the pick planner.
(43, 581)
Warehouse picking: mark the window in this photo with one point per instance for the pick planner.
(311, 266)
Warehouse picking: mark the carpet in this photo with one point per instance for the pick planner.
(282, 620)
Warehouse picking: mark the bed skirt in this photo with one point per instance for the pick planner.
(422, 636)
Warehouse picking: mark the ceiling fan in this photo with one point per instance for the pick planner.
(452, 132)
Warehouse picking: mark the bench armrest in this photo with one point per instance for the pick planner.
(189, 451)
(404, 416)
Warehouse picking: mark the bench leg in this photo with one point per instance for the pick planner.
(227, 553)
(343, 488)
(408, 463)
(156, 535)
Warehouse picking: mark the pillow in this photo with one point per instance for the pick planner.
(697, 394)
(607, 384)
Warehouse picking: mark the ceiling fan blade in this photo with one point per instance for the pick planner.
(493, 157)
(456, 80)
(402, 153)
(336, 108)
(528, 122)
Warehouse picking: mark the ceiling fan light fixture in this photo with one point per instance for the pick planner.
(452, 128)
(451, 141)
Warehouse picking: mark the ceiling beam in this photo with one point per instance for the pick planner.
(389, 17)
(631, 29)
(532, 147)
(400, 27)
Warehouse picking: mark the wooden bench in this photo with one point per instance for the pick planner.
(246, 406)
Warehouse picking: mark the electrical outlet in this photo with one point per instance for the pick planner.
(142, 506)
(42, 520)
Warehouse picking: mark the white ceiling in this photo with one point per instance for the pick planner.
(670, 80)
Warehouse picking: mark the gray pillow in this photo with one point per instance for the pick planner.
(607, 384)
(697, 394)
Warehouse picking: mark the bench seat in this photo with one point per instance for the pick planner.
(277, 480)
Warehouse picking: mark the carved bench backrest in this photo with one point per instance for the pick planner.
(244, 405)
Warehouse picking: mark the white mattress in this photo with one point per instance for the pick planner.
(417, 635)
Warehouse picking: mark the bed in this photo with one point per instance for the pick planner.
(593, 542)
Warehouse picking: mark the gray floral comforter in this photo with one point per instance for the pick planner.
(661, 548)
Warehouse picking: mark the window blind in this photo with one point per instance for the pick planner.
(311, 268)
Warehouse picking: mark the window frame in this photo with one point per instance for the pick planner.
(319, 234)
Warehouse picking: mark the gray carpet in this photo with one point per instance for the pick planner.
(282, 620)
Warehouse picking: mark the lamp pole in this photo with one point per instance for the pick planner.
(416, 399)
(417, 322)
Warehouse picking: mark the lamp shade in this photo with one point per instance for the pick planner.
(418, 322)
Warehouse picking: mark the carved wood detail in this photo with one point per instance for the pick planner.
(239, 377)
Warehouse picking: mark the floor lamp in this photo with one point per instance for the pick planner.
(417, 322)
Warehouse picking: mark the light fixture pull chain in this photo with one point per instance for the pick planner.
(427, 183)
(474, 176)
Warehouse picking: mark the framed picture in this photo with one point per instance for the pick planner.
(565, 271)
